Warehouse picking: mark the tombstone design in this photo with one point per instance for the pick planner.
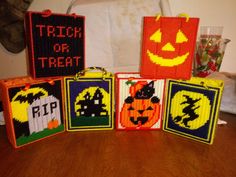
(34, 109)
(44, 113)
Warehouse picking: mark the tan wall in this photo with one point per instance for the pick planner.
(211, 12)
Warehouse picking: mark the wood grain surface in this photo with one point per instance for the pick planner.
(115, 153)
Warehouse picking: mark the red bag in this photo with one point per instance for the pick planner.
(168, 47)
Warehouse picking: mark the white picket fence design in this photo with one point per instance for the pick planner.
(42, 111)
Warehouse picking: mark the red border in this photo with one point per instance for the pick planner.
(8, 112)
(28, 27)
(117, 85)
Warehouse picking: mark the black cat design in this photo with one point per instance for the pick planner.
(145, 93)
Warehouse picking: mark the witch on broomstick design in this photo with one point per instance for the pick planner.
(188, 111)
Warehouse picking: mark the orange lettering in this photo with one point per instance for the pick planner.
(52, 62)
(57, 48)
(42, 61)
(77, 31)
(76, 60)
(69, 61)
(60, 62)
(50, 30)
(40, 29)
(69, 32)
(61, 31)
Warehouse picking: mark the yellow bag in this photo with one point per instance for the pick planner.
(192, 108)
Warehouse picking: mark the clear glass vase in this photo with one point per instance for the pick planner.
(209, 55)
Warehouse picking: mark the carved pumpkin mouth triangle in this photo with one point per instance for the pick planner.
(167, 61)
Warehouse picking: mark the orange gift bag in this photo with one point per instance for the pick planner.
(168, 47)
(33, 109)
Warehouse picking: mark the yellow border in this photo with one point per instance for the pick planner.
(216, 105)
(96, 77)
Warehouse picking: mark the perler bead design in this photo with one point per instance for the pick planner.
(89, 104)
(36, 112)
(140, 104)
(192, 109)
(168, 47)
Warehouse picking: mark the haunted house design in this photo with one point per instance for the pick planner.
(92, 106)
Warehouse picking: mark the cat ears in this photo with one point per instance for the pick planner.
(129, 99)
(151, 84)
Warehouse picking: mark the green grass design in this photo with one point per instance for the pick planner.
(35, 136)
(89, 121)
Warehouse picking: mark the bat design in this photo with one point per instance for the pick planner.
(30, 98)
(19, 104)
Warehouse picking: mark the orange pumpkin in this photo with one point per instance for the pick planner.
(53, 124)
(140, 113)
(137, 86)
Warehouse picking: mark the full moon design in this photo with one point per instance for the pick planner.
(91, 91)
(190, 110)
(21, 101)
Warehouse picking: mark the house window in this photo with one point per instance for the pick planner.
(96, 101)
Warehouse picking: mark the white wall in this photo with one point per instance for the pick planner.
(213, 13)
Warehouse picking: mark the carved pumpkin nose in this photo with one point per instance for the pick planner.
(168, 47)
(140, 111)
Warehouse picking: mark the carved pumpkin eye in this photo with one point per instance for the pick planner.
(149, 108)
(130, 108)
(180, 37)
(156, 37)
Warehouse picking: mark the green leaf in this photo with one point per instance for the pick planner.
(216, 54)
(202, 68)
(129, 82)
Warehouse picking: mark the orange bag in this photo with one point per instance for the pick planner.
(168, 47)
(33, 109)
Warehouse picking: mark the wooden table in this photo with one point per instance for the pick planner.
(122, 154)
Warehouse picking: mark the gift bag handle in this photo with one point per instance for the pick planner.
(82, 73)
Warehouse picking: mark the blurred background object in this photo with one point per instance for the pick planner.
(12, 13)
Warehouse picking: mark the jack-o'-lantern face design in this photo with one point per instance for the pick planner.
(142, 108)
(139, 113)
(170, 45)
